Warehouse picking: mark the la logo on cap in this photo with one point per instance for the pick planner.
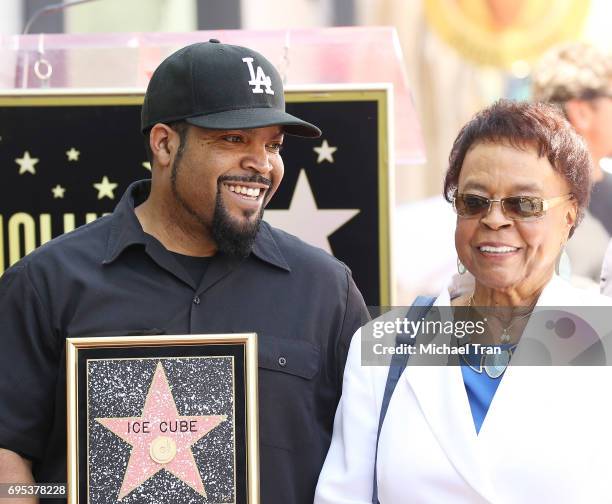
(261, 79)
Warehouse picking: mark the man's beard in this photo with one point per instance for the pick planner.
(232, 238)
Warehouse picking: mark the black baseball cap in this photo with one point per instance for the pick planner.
(219, 86)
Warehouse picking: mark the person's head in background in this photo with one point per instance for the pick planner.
(578, 78)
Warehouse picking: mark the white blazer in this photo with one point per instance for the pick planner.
(547, 436)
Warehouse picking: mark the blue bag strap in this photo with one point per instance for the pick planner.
(417, 311)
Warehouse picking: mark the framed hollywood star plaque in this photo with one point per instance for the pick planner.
(163, 419)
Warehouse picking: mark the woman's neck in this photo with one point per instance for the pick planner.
(523, 295)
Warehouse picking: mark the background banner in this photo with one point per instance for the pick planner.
(67, 159)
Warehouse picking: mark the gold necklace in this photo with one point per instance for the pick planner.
(505, 335)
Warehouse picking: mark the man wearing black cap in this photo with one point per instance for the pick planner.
(187, 252)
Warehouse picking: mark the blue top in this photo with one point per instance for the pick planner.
(480, 387)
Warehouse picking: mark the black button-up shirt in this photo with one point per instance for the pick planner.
(109, 277)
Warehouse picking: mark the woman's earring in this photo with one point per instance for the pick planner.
(563, 266)
(461, 269)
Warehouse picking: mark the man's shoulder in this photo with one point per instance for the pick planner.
(88, 240)
(300, 254)
(601, 190)
(607, 180)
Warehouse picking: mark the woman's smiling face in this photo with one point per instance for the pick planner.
(505, 254)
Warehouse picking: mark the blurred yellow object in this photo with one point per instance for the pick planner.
(501, 32)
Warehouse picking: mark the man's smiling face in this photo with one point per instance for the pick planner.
(224, 178)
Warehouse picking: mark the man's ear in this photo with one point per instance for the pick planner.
(160, 142)
(580, 114)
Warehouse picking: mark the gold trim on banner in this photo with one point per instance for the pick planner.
(65, 98)
(502, 32)
(382, 94)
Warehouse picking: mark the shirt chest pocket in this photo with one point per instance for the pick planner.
(288, 386)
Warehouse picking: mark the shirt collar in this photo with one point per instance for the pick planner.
(267, 249)
(126, 230)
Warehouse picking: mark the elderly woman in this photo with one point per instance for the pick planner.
(519, 181)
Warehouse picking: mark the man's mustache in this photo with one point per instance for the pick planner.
(255, 179)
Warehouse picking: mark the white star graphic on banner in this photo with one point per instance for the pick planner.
(325, 152)
(26, 164)
(305, 220)
(58, 191)
(73, 154)
(105, 188)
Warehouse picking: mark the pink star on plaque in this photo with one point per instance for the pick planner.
(161, 438)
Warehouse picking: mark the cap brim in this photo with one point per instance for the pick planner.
(256, 118)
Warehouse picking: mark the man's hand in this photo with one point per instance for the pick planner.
(15, 469)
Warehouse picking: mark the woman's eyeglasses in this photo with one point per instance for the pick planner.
(513, 207)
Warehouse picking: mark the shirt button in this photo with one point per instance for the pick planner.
(196, 300)
(282, 362)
